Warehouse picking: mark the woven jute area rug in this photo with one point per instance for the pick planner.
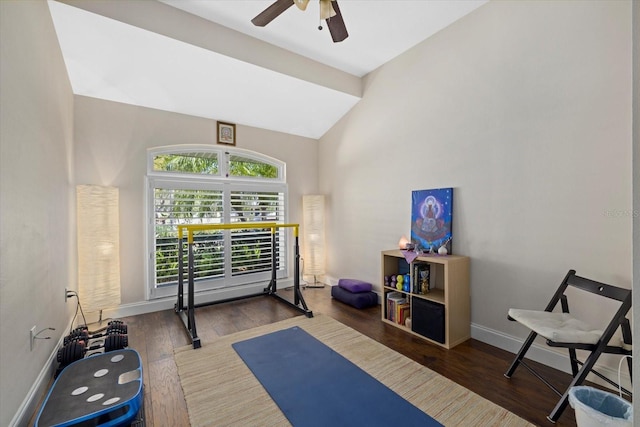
(221, 391)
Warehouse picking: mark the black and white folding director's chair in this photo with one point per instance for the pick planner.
(561, 329)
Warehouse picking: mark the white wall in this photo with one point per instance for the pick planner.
(636, 189)
(524, 107)
(111, 142)
(36, 239)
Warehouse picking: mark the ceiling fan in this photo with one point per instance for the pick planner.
(329, 11)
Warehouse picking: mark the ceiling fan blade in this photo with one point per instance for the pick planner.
(336, 24)
(272, 12)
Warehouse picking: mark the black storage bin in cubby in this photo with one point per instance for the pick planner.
(427, 319)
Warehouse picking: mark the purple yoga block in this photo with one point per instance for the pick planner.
(355, 286)
(357, 300)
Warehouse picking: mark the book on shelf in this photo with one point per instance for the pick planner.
(423, 278)
(394, 299)
(402, 312)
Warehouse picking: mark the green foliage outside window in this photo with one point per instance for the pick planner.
(240, 166)
(172, 207)
(208, 164)
(189, 163)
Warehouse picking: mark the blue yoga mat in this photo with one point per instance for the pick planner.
(315, 386)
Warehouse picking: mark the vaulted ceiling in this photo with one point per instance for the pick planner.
(205, 58)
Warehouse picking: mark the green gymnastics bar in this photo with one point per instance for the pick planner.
(187, 313)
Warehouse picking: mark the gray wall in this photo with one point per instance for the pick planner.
(636, 188)
(37, 247)
(111, 142)
(524, 107)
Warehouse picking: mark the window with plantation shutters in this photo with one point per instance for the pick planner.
(209, 186)
(186, 206)
(251, 249)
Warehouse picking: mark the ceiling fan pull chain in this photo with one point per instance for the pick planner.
(329, 12)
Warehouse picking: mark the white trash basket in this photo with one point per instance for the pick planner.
(596, 408)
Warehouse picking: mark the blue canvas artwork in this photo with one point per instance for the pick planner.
(431, 218)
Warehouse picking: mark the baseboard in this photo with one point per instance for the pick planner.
(538, 353)
(39, 388)
(144, 307)
(543, 354)
(330, 280)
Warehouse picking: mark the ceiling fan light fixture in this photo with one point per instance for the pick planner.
(301, 4)
(329, 11)
(326, 9)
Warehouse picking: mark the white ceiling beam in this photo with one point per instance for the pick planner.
(163, 19)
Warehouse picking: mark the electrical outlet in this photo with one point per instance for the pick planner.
(32, 337)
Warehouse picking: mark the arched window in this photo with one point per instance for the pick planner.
(196, 184)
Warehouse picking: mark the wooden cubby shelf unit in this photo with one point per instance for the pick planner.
(442, 315)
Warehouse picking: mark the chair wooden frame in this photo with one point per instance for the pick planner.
(579, 369)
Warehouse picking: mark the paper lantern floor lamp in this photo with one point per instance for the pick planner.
(314, 244)
(98, 231)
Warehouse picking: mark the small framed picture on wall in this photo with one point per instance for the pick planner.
(226, 133)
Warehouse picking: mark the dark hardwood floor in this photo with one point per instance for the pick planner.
(473, 364)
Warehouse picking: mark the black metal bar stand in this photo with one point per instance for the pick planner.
(187, 313)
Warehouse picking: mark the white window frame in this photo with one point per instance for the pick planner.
(225, 183)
